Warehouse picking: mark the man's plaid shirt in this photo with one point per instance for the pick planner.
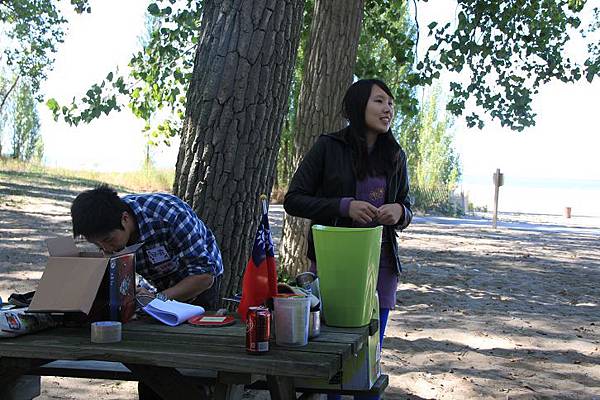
(177, 244)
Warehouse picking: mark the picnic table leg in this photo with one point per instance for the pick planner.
(168, 383)
(14, 385)
(281, 387)
(230, 385)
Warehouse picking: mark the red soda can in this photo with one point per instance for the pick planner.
(258, 330)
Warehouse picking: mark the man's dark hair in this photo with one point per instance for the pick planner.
(386, 150)
(97, 211)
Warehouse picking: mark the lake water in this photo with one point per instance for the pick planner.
(548, 196)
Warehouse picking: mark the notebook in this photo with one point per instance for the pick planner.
(172, 312)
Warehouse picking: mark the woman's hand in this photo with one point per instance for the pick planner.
(390, 214)
(362, 211)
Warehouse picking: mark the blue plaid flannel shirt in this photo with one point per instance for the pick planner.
(177, 244)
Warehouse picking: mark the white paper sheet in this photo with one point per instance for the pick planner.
(172, 312)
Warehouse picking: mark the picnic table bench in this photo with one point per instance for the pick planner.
(175, 361)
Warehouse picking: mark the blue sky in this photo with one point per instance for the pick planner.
(563, 144)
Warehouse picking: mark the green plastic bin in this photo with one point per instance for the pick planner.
(347, 265)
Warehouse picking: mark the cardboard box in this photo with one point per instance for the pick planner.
(101, 288)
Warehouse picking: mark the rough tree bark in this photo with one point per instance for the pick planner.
(330, 59)
(235, 109)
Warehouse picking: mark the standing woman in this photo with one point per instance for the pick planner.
(357, 177)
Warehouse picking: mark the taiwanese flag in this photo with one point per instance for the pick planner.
(260, 277)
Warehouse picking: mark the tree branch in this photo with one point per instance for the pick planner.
(8, 93)
(7, 5)
(417, 38)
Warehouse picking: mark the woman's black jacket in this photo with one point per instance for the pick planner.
(325, 175)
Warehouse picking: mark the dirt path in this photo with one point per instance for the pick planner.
(511, 313)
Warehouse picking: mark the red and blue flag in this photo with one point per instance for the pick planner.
(260, 277)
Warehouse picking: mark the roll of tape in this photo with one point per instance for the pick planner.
(106, 332)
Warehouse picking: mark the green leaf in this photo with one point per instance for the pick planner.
(52, 105)
(462, 20)
(590, 74)
(154, 10)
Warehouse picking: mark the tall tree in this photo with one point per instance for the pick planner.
(435, 164)
(330, 59)
(236, 104)
(6, 113)
(26, 140)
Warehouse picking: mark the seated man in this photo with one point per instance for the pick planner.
(180, 256)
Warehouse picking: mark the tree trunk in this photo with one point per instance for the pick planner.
(331, 55)
(236, 104)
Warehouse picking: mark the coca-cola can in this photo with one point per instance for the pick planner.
(258, 330)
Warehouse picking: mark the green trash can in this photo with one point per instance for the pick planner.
(347, 265)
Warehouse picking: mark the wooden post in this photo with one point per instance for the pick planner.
(498, 181)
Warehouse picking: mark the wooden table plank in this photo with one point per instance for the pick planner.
(319, 367)
(74, 337)
(326, 343)
(331, 334)
(92, 369)
(79, 337)
(148, 342)
(281, 362)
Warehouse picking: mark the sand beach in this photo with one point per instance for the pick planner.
(511, 313)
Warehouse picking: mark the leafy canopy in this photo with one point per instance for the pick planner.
(386, 51)
(507, 50)
(501, 52)
(31, 30)
(159, 75)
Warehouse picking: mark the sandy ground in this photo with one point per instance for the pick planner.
(511, 313)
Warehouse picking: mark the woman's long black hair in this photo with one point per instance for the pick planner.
(385, 153)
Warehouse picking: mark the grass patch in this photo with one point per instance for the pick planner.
(147, 179)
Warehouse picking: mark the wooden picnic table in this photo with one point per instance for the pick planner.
(156, 353)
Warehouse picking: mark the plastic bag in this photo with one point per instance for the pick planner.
(17, 321)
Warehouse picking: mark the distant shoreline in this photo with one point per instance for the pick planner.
(535, 183)
(535, 200)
